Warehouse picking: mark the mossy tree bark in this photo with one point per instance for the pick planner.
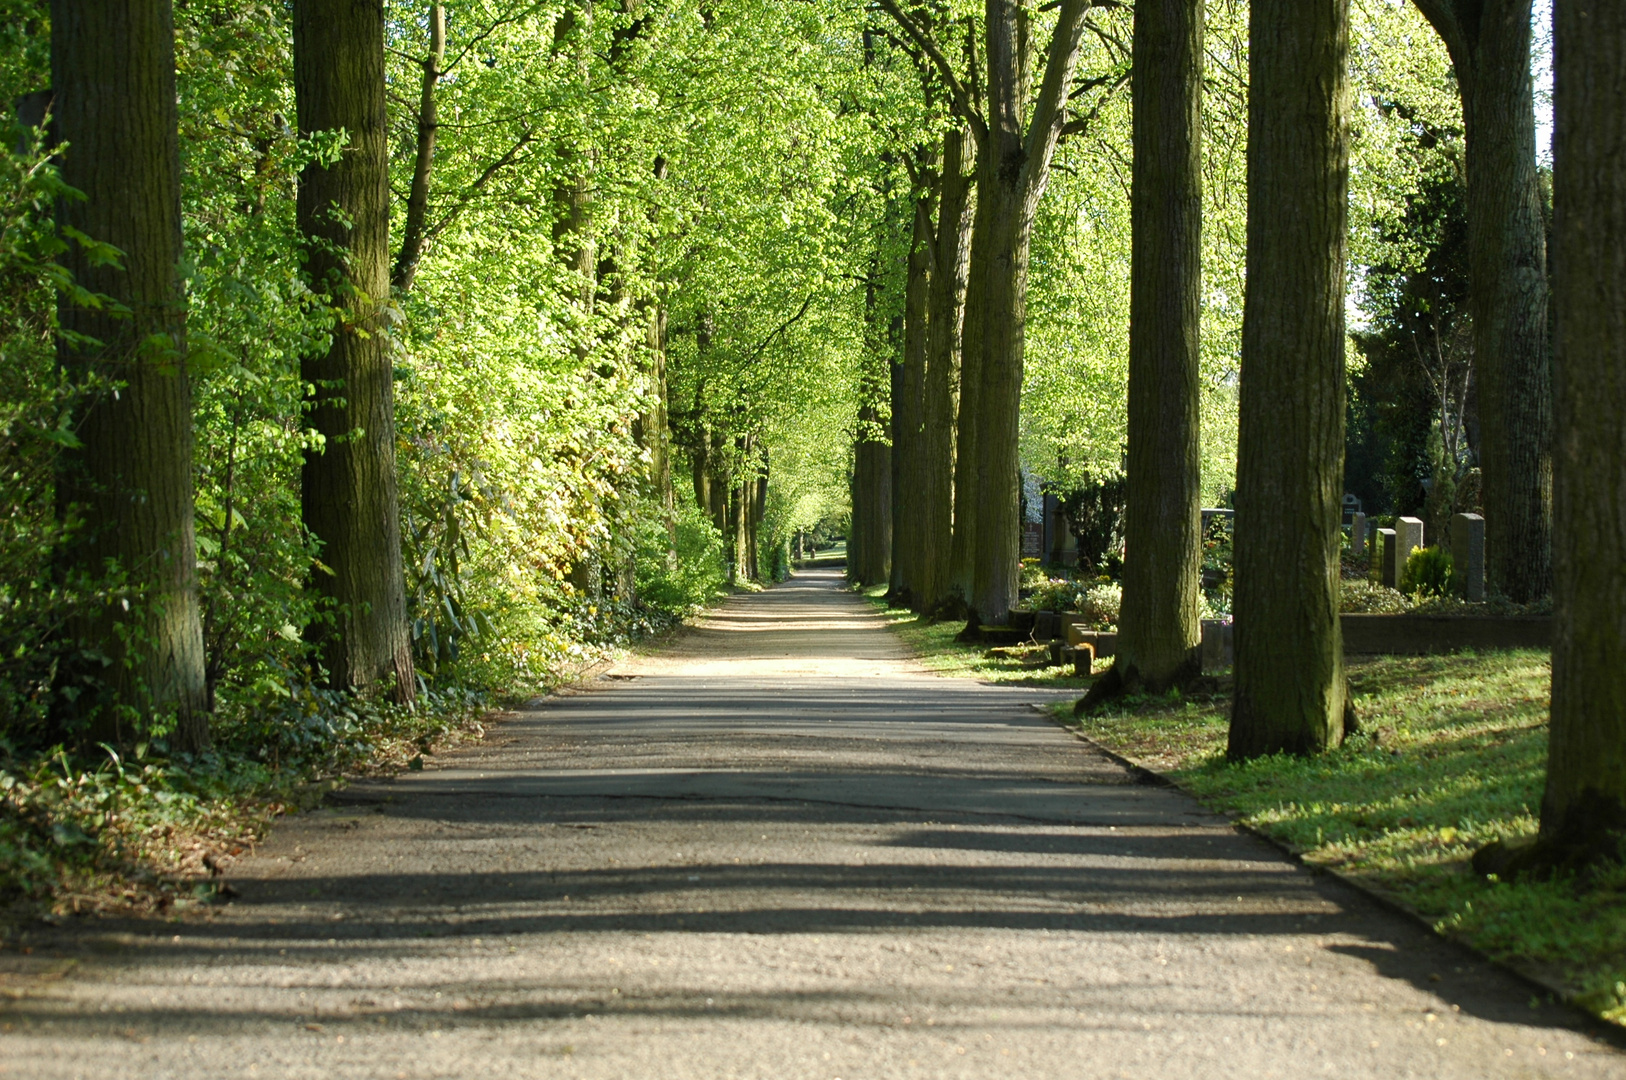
(1014, 167)
(944, 322)
(1583, 814)
(1290, 685)
(1160, 628)
(1015, 145)
(909, 401)
(350, 496)
(113, 71)
(963, 542)
(1489, 43)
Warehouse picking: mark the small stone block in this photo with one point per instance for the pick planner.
(1384, 549)
(1218, 648)
(1468, 555)
(1408, 536)
(1357, 535)
(1083, 660)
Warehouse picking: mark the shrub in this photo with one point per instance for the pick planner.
(1427, 572)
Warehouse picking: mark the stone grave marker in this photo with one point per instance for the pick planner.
(1383, 549)
(1357, 535)
(1408, 535)
(1468, 555)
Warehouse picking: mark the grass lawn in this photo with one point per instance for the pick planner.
(1451, 755)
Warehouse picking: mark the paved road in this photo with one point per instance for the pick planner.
(780, 850)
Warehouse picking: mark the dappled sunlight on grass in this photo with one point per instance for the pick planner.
(1451, 755)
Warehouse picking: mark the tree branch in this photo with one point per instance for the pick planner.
(957, 90)
(756, 353)
(413, 241)
(1049, 112)
(1442, 15)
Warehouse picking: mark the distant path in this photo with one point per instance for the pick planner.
(780, 850)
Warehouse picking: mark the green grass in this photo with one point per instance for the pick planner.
(1451, 755)
(933, 643)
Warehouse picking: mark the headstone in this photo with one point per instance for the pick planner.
(1218, 649)
(1408, 535)
(1357, 535)
(1384, 549)
(1468, 555)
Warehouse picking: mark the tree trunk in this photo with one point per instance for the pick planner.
(759, 512)
(655, 428)
(573, 240)
(1583, 814)
(944, 321)
(1489, 43)
(973, 350)
(1290, 686)
(113, 71)
(908, 402)
(1160, 629)
(1014, 167)
(415, 234)
(870, 561)
(349, 484)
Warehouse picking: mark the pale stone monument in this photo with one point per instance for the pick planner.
(1468, 555)
(1408, 536)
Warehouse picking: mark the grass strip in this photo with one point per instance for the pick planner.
(934, 646)
(1451, 755)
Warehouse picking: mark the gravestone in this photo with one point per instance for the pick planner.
(1383, 549)
(1408, 535)
(1468, 555)
(1218, 649)
(1357, 535)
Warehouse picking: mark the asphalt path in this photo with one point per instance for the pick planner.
(779, 849)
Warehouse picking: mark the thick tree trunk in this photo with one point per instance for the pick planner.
(113, 71)
(1290, 686)
(895, 376)
(997, 544)
(944, 321)
(973, 351)
(1014, 166)
(909, 404)
(349, 493)
(1489, 42)
(415, 233)
(1583, 815)
(870, 554)
(1160, 628)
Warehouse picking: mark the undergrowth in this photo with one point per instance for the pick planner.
(94, 830)
(1451, 755)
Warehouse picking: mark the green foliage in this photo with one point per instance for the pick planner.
(1098, 599)
(696, 210)
(1095, 514)
(1427, 572)
(681, 571)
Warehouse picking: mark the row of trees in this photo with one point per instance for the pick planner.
(387, 326)
(539, 261)
(1290, 693)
